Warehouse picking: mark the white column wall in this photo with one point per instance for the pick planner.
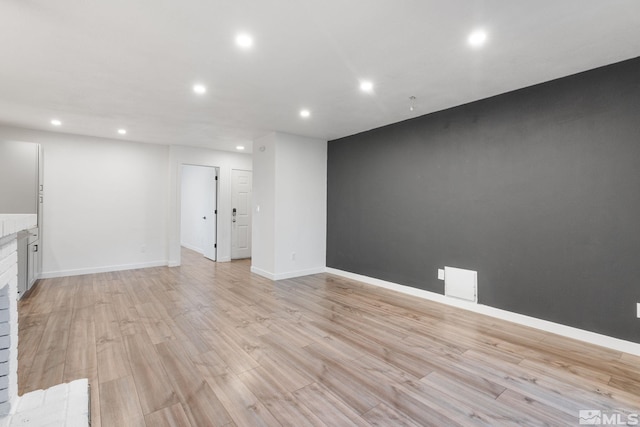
(290, 187)
(263, 200)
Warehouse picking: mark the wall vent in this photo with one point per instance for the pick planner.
(461, 284)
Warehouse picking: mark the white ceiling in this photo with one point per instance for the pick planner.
(102, 65)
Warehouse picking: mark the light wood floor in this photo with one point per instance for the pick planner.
(211, 344)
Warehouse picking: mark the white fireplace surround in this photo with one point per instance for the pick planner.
(61, 405)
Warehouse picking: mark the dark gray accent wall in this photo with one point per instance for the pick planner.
(538, 190)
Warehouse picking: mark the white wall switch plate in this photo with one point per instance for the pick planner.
(441, 274)
(638, 310)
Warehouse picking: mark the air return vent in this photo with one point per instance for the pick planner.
(461, 284)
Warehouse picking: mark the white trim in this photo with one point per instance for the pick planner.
(224, 259)
(107, 269)
(544, 325)
(263, 273)
(299, 273)
(287, 275)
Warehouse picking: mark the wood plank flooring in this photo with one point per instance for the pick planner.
(210, 344)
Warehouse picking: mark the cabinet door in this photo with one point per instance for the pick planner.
(32, 263)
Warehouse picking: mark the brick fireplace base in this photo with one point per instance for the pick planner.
(63, 405)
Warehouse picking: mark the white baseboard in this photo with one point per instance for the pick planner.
(105, 269)
(263, 273)
(544, 325)
(288, 274)
(299, 273)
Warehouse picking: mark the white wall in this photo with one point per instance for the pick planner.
(196, 188)
(290, 187)
(112, 204)
(105, 202)
(263, 222)
(225, 162)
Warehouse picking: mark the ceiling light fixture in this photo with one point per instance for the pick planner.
(305, 113)
(240, 147)
(122, 131)
(56, 122)
(199, 89)
(366, 86)
(477, 38)
(244, 40)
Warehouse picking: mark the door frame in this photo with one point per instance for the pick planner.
(216, 225)
(224, 161)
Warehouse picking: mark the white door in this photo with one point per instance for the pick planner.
(240, 214)
(211, 215)
(198, 209)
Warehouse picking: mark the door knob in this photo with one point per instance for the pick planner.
(204, 217)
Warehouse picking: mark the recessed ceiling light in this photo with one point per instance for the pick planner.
(244, 40)
(477, 38)
(305, 113)
(56, 122)
(199, 89)
(366, 86)
(122, 131)
(240, 147)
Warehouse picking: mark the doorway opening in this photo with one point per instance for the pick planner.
(199, 209)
